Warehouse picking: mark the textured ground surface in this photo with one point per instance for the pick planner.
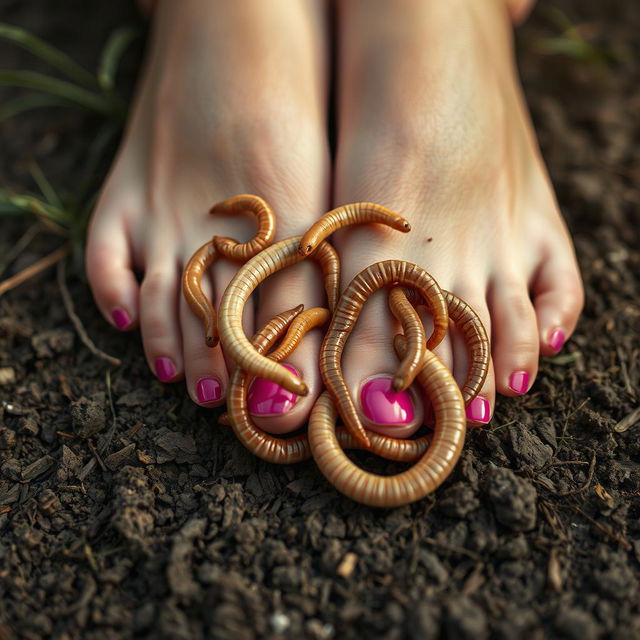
(178, 533)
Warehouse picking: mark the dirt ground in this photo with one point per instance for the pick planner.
(126, 512)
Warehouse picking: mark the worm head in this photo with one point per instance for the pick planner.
(405, 225)
(305, 250)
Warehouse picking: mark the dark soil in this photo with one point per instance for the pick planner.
(127, 512)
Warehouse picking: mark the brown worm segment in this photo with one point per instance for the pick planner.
(414, 483)
(299, 327)
(346, 215)
(197, 266)
(237, 347)
(475, 338)
(245, 203)
(279, 450)
(346, 314)
(406, 315)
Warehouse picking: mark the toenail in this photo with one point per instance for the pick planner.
(479, 410)
(381, 404)
(556, 339)
(165, 369)
(120, 318)
(208, 390)
(267, 398)
(519, 382)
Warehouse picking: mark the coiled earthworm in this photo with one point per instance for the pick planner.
(346, 315)
(475, 338)
(237, 347)
(347, 215)
(198, 264)
(414, 483)
(299, 327)
(413, 331)
(245, 203)
(294, 449)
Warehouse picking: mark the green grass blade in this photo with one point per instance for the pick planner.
(59, 88)
(44, 185)
(27, 102)
(49, 54)
(112, 53)
(31, 204)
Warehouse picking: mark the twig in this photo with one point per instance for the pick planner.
(103, 446)
(592, 466)
(619, 538)
(77, 323)
(23, 242)
(96, 455)
(33, 270)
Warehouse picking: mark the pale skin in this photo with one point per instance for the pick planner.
(431, 123)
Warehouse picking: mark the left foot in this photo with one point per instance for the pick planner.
(433, 124)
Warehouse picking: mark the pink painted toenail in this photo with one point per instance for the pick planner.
(381, 404)
(519, 382)
(479, 410)
(165, 369)
(208, 390)
(120, 318)
(556, 339)
(266, 398)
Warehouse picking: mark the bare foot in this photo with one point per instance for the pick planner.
(432, 123)
(232, 100)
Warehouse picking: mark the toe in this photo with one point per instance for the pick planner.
(558, 297)
(110, 271)
(159, 321)
(514, 335)
(273, 408)
(480, 410)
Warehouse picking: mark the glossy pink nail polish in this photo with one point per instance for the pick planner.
(519, 382)
(120, 318)
(165, 369)
(266, 398)
(381, 404)
(479, 410)
(208, 390)
(557, 339)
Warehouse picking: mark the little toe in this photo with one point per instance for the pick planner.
(159, 321)
(515, 336)
(110, 272)
(558, 297)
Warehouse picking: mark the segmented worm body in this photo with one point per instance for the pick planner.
(294, 449)
(413, 330)
(197, 266)
(242, 251)
(422, 478)
(346, 315)
(475, 338)
(272, 259)
(347, 215)
(300, 326)
(206, 255)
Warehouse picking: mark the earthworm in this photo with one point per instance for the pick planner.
(242, 251)
(300, 325)
(475, 337)
(413, 330)
(346, 315)
(198, 264)
(278, 450)
(346, 215)
(237, 347)
(414, 483)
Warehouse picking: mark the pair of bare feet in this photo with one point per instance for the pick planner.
(431, 122)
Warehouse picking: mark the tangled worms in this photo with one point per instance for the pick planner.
(414, 483)
(347, 215)
(272, 259)
(294, 449)
(207, 254)
(475, 338)
(346, 314)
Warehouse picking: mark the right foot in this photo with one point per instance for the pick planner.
(232, 100)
